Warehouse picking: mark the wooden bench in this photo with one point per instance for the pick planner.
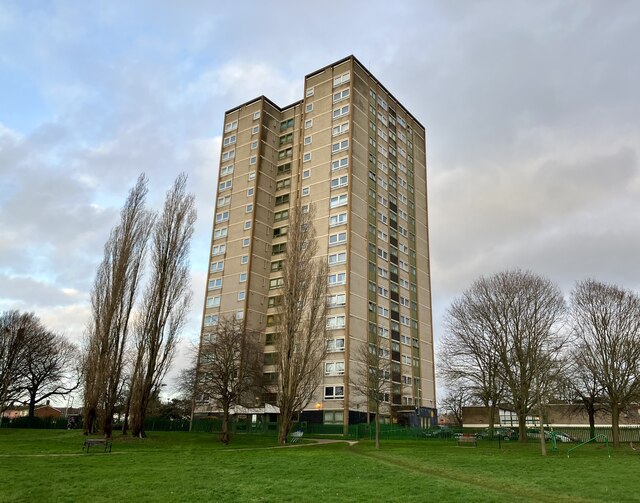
(467, 440)
(91, 442)
(296, 436)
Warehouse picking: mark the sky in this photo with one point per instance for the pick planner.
(531, 110)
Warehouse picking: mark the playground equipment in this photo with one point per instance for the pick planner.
(604, 437)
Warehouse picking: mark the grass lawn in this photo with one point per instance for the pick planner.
(48, 465)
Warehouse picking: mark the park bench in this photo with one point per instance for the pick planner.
(91, 442)
(296, 436)
(467, 440)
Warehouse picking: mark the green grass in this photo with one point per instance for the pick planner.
(48, 465)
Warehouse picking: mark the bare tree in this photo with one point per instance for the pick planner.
(301, 320)
(16, 330)
(468, 357)
(583, 385)
(371, 378)
(525, 311)
(606, 319)
(112, 301)
(51, 368)
(455, 400)
(231, 364)
(166, 300)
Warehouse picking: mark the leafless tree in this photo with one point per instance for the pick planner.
(166, 299)
(301, 320)
(112, 301)
(606, 319)
(16, 330)
(525, 311)
(582, 384)
(371, 377)
(51, 368)
(231, 364)
(468, 357)
(454, 401)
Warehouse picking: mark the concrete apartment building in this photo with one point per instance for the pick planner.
(350, 148)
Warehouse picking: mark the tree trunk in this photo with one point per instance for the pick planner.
(32, 406)
(492, 413)
(615, 427)
(522, 427)
(591, 410)
(224, 435)
(90, 421)
(284, 426)
(377, 420)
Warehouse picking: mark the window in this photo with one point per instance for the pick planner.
(253, 160)
(278, 248)
(255, 129)
(340, 112)
(287, 138)
(340, 146)
(308, 123)
(383, 236)
(383, 311)
(218, 250)
(285, 153)
(283, 199)
(256, 115)
(215, 284)
(333, 368)
(383, 218)
(336, 322)
(404, 283)
(247, 225)
(280, 215)
(225, 185)
(383, 273)
(284, 168)
(306, 191)
(340, 129)
(223, 201)
(337, 201)
(227, 170)
(306, 173)
(229, 140)
(306, 157)
(228, 155)
(243, 277)
(248, 208)
(277, 265)
(335, 345)
(286, 124)
(340, 163)
(339, 278)
(406, 359)
(244, 259)
(342, 95)
(275, 301)
(254, 145)
(276, 283)
(382, 200)
(283, 184)
(307, 140)
(223, 216)
(210, 320)
(383, 332)
(309, 107)
(230, 126)
(383, 292)
(309, 92)
(339, 219)
(241, 295)
(213, 301)
(341, 79)
(336, 300)
(341, 181)
(220, 233)
(337, 239)
(217, 266)
(280, 231)
(337, 258)
(334, 393)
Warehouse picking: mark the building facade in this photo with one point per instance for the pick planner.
(355, 153)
